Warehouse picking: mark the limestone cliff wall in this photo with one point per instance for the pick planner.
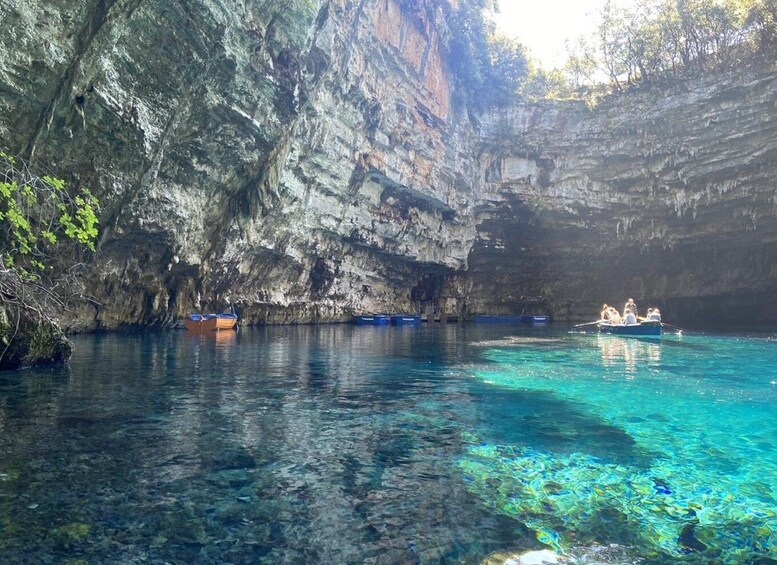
(308, 160)
(301, 158)
(668, 197)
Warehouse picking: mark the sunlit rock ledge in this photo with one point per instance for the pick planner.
(311, 160)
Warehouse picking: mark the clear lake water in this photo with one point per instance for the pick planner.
(440, 444)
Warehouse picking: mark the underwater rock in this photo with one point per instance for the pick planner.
(70, 534)
(535, 557)
(234, 460)
(687, 539)
(180, 524)
(598, 496)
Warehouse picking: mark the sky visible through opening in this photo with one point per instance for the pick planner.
(543, 25)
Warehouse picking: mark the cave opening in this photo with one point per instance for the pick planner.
(435, 302)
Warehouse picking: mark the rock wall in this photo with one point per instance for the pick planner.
(667, 197)
(308, 160)
(27, 340)
(301, 159)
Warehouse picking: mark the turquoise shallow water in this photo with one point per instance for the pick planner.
(696, 421)
(392, 445)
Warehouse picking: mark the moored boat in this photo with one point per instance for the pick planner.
(371, 320)
(534, 320)
(405, 320)
(210, 322)
(643, 329)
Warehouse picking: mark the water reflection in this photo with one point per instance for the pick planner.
(31, 396)
(325, 444)
(345, 445)
(221, 340)
(628, 352)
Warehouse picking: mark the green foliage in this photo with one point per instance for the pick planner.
(507, 69)
(761, 21)
(648, 41)
(310, 7)
(654, 40)
(581, 66)
(489, 68)
(547, 84)
(38, 213)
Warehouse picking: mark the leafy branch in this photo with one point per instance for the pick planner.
(38, 215)
(42, 222)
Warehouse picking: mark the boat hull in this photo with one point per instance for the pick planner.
(405, 320)
(210, 322)
(371, 320)
(645, 329)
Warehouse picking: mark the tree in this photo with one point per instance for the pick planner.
(42, 221)
(581, 65)
(546, 84)
(612, 39)
(507, 69)
(489, 68)
(655, 39)
(761, 21)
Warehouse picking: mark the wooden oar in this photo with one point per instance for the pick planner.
(679, 330)
(588, 324)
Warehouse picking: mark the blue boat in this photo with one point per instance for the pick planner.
(534, 320)
(371, 320)
(644, 329)
(484, 319)
(405, 320)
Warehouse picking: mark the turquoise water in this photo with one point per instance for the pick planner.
(392, 445)
(695, 419)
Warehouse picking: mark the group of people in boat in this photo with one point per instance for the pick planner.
(630, 314)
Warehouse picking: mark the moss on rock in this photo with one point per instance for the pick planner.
(25, 341)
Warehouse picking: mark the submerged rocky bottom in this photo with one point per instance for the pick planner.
(684, 469)
(391, 445)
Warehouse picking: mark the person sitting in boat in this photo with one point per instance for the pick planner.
(614, 316)
(630, 317)
(630, 305)
(605, 315)
(654, 315)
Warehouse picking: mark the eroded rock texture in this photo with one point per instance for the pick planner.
(308, 160)
(300, 159)
(669, 198)
(27, 340)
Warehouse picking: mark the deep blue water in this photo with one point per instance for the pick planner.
(339, 444)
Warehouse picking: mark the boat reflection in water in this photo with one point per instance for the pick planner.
(628, 352)
(210, 342)
(212, 337)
